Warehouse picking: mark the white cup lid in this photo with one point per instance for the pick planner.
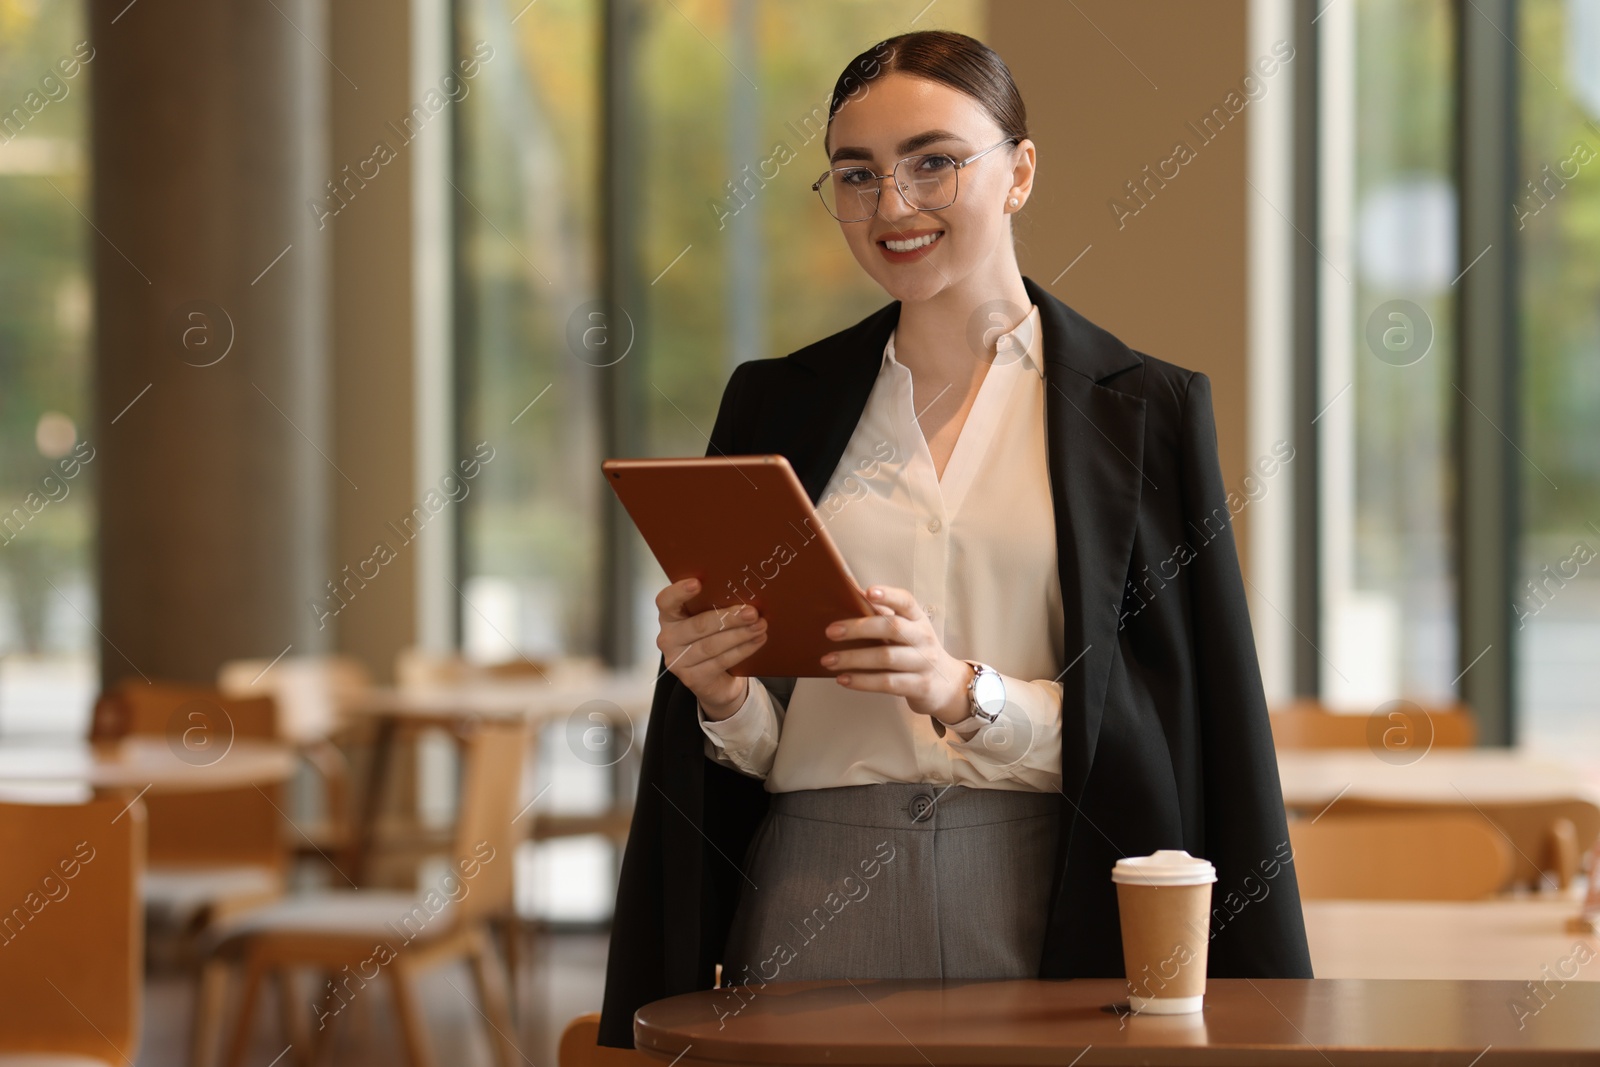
(1166, 866)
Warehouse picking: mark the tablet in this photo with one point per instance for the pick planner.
(744, 526)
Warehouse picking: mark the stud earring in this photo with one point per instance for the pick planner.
(1014, 201)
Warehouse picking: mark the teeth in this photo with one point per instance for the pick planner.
(912, 245)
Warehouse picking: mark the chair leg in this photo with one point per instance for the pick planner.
(247, 1007)
(511, 936)
(1562, 842)
(491, 983)
(412, 1028)
(210, 997)
(292, 1019)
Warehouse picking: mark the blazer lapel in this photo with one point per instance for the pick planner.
(1095, 441)
(822, 417)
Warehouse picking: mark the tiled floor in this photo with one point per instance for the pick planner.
(565, 978)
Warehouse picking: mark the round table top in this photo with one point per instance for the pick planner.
(627, 692)
(139, 763)
(1029, 1022)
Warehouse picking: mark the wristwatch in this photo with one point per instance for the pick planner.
(986, 693)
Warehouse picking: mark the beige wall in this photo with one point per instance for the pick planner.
(1111, 87)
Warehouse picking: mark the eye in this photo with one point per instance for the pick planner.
(933, 164)
(853, 176)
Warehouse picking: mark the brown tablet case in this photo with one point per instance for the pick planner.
(744, 526)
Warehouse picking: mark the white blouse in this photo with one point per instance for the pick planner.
(978, 548)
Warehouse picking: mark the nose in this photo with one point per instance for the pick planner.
(891, 203)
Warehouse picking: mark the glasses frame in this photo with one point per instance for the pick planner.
(877, 188)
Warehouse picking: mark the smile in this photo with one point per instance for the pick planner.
(912, 244)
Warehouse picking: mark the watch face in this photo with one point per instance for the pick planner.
(989, 692)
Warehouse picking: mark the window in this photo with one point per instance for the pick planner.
(47, 594)
(1557, 596)
(1386, 289)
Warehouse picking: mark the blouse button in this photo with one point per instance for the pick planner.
(933, 526)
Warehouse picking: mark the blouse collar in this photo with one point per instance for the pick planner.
(1026, 339)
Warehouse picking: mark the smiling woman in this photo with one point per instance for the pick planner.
(1011, 736)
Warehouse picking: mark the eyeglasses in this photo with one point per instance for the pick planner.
(926, 182)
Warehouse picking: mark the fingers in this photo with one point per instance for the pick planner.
(904, 604)
(877, 627)
(880, 658)
(691, 652)
(670, 601)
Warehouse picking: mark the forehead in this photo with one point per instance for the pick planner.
(898, 107)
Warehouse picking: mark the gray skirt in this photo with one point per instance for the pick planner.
(897, 880)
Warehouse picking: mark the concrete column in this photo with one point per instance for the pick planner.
(213, 454)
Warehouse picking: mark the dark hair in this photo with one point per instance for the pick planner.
(954, 59)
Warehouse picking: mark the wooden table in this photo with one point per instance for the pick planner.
(1313, 779)
(455, 707)
(136, 765)
(1489, 939)
(1084, 1022)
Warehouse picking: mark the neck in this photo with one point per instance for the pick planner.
(935, 336)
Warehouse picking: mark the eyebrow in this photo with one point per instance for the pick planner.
(908, 146)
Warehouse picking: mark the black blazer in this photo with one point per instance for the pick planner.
(1165, 740)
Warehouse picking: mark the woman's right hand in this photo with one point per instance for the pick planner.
(700, 648)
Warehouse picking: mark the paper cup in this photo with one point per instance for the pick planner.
(1164, 900)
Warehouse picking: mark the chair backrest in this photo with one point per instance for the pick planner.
(1402, 856)
(415, 667)
(578, 1048)
(72, 930)
(309, 690)
(486, 835)
(1307, 724)
(223, 828)
(134, 707)
(1539, 828)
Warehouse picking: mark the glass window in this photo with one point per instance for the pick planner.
(526, 195)
(1388, 240)
(47, 597)
(1557, 596)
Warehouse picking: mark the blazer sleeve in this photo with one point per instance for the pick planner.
(1257, 928)
(674, 894)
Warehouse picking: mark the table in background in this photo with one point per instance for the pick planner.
(1002, 1023)
(1508, 939)
(1312, 779)
(51, 769)
(455, 707)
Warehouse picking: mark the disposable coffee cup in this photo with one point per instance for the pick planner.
(1165, 902)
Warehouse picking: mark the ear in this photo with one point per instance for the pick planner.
(1022, 172)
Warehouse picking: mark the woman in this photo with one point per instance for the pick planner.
(1068, 674)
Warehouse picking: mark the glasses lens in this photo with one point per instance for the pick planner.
(927, 182)
(851, 194)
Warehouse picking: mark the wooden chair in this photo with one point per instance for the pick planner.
(72, 946)
(578, 1048)
(1411, 856)
(310, 692)
(1308, 724)
(209, 853)
(358, 936)
(1546, 837)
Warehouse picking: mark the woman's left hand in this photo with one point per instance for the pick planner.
(913, 665)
